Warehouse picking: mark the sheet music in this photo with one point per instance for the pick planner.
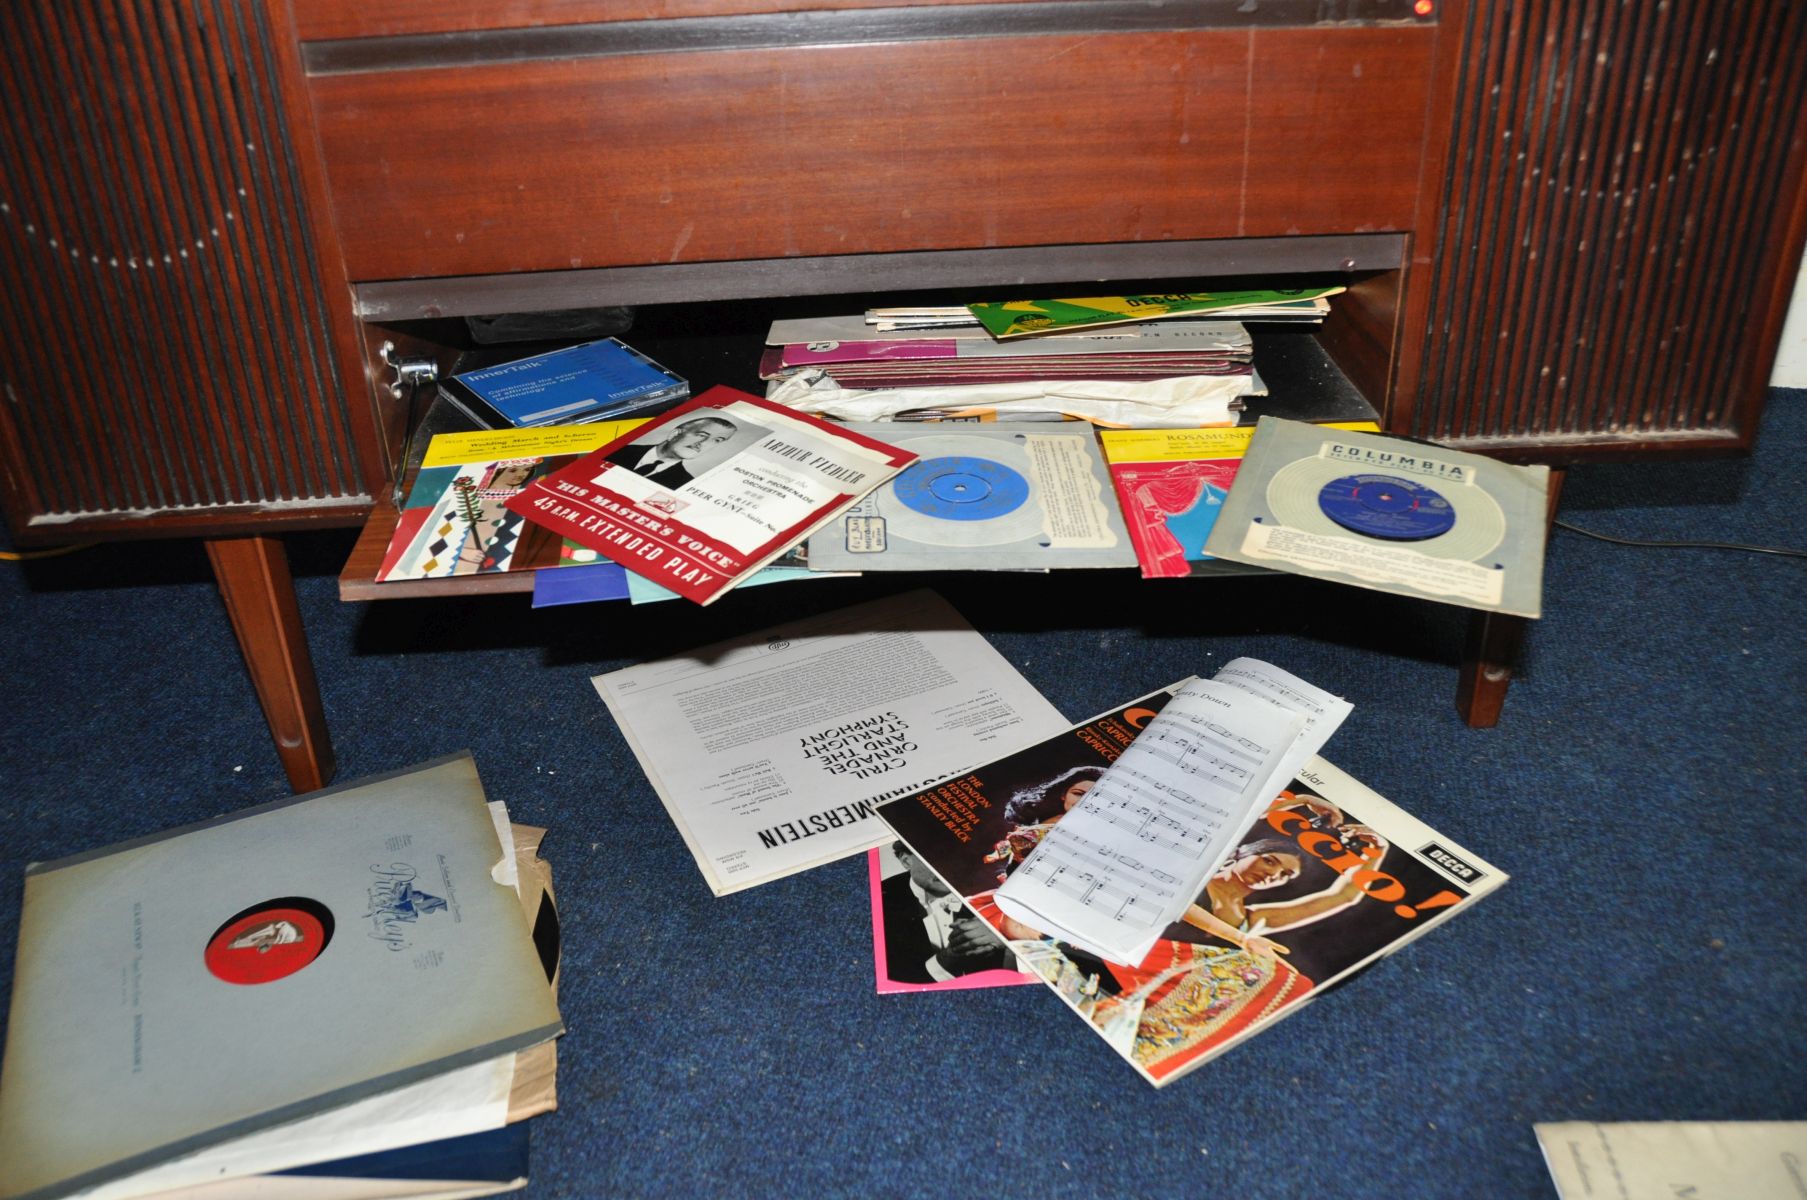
(1323, 712)
(1130, 857)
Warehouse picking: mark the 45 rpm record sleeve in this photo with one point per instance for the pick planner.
(701, 497)
(1009, 496)
(1388, 514)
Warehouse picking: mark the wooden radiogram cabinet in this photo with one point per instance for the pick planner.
(1569, 230)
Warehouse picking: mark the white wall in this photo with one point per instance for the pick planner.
(1791, 355)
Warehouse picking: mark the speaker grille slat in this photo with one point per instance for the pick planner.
(1614, 192)
(172, 349)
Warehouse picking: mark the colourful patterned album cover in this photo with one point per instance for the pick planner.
(453, 521)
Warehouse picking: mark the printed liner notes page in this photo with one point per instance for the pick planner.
(770, 750)
(1132, 855)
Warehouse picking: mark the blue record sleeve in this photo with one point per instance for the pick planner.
(579, 584)
(595, 381)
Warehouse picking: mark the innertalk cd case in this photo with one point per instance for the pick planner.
(1388, 514)
(1021, 496)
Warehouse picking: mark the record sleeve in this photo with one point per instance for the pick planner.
(769, 750)
(1350, 878)
(1024, 496)
(1388, 514)
(181, 990)
(1024, 318)
(452, 521)
(700, 498)
(1172, 484)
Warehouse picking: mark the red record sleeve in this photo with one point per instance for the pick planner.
(684, 523)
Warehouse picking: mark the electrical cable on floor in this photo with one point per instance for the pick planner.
(53, 552)
(1783, 551)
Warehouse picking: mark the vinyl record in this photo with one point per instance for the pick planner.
(1476, 527)
(964, 491)
(1387, 506)
(959, 487)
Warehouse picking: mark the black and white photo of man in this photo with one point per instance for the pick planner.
(683, 453)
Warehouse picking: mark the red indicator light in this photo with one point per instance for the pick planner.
(1423, 7)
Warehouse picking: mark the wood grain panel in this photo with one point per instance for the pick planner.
(638, 160)
(259, 594)
(167, 348)
(1335, 129)
(329, 20)
(322, 19)
(1623, 197)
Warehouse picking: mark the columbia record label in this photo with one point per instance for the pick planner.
(1390, 514)
(1387, 506)
(1445, 519)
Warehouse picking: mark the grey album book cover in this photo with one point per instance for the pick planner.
(179, 990)
(1389, 514)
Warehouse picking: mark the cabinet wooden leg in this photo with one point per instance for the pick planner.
(1487, 661)
(1494, 642)
(254, 580)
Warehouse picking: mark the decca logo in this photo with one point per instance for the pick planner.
(1458, 867)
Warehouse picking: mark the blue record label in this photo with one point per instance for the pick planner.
(960, 488)
(1386, 506)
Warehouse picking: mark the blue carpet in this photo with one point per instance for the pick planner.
(1640, 790)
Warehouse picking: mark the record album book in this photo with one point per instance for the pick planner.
(1388, 514)
(189, 988)
(1022, 496)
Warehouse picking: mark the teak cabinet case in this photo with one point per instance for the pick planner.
(1569, 229)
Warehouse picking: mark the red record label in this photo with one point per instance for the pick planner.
(269, 941)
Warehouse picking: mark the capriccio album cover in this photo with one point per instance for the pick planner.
(1325, 879)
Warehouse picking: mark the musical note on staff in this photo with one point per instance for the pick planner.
(1225, 780)
(1082, 870)
(1125, 772)
(1263, 679)
(1150, 823)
